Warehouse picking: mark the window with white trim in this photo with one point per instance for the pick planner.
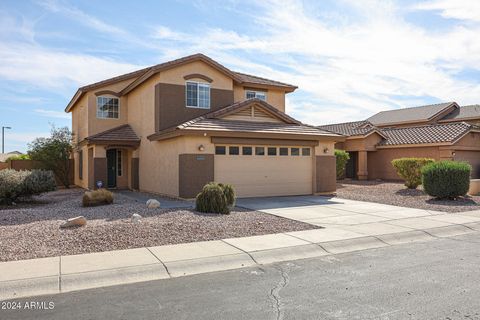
(107, 107)
(197, 95)
(262, 95)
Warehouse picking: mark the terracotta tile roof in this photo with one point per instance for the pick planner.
(465, 112)
(258, 80)
(212, 122)
(422, 113)
(357, 128)
(437, 133)
(123, 133)
(251, 126)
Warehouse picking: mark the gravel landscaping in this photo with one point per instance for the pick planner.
(398, 195)
(31, 229)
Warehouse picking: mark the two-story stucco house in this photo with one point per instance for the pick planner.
(175, 126)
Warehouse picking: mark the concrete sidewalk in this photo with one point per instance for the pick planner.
(345, 231)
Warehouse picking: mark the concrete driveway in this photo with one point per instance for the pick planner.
(358, 217)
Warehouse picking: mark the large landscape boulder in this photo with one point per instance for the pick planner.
(74, 222)
(152, 203)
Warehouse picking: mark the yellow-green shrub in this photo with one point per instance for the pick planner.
(410, 170)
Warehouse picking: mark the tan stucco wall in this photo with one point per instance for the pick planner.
(83, 183)
(274, 97)
(360, 144)
(379, 162)
(176, 75)
(79, 120)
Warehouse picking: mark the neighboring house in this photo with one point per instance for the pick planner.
(173, 127)
(5, 156)
(439, 131)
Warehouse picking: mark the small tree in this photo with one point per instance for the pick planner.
(53, 153)
(342, 158)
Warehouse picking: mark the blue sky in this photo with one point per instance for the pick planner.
(350, 58)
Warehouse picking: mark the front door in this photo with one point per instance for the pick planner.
(111, 168)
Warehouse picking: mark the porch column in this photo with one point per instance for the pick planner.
(362, 173)
(99, 166)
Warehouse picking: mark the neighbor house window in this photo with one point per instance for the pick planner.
(233, 151)
(107, 108)
(305, 151)
(295, 151)
(198, 95)
(259, 151)
(283, 151)
(262, 95)
(80, 164)
(247, 151)
(220, 149)
(272, 151)
(119, 163)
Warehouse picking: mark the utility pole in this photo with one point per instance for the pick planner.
(3, 138)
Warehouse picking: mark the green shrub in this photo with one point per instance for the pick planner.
(19, 157)
(342, 158)
(410, 170)
(229, 193)
(446, 179)
(15, 184)
(212, 199)
(97, 198)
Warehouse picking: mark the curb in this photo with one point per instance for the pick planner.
(58, 281)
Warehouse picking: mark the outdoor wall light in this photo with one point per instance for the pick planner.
(325, 150)
(453, 154)
(201, 147)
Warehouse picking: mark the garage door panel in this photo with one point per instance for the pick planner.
(265, 175)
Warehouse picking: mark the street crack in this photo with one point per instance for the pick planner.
(275, 293)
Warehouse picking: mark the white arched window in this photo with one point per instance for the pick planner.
(107, 107)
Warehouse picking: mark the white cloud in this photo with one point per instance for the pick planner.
(54, 69)
(355, 68)
(52, 113)
(456, 9)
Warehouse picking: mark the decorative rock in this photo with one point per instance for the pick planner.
(74, 222)
(136, 218)
(152, 203)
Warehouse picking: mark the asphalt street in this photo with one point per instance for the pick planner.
(439, 279)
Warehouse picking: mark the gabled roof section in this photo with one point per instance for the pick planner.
(257, 103)
(145, 73)
(356, 128)
(213, 121)
(411, 115)
(121, 134)
(430, 134)
(463, 113)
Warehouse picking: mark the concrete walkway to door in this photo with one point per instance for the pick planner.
(342, 217)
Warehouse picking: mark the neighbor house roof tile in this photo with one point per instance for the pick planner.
(464, 112)
(415, 114)
(350, 128)
(437, 133)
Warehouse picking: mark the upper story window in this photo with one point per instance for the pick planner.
(262, 95)
(107, 107)
(198, 95)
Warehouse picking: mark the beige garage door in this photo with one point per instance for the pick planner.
(257, 171)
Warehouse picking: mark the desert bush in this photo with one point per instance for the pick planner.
(446, 179)
(97, 198)
(212, 199)
(409, 169)
(341, 157)
(229, 193)
(15, 184)
(39, 181)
